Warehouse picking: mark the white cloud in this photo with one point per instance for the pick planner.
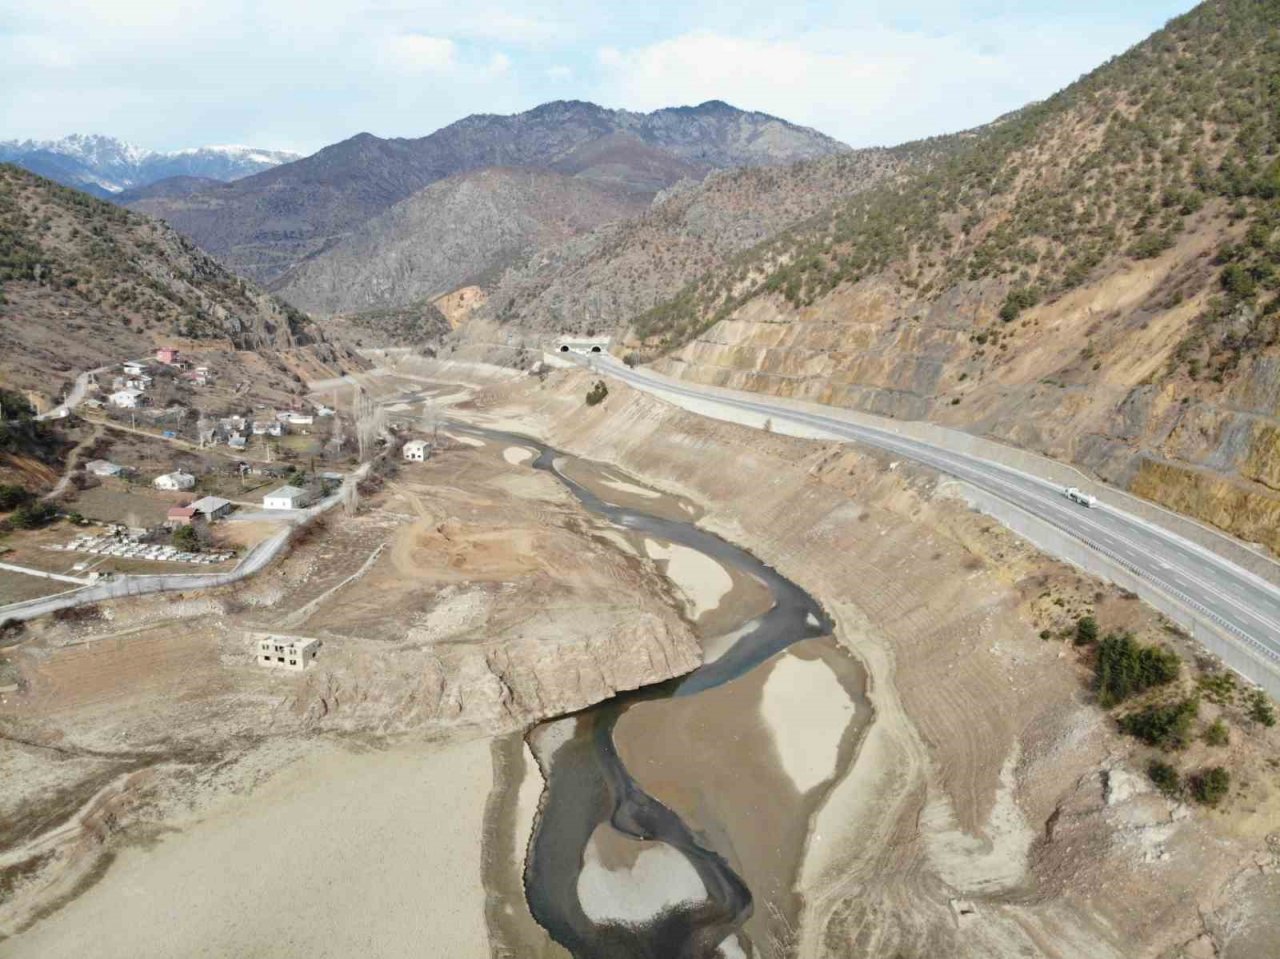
(499, 65)
(560, 72)
(419, 53)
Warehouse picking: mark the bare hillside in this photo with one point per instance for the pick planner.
(457, 232)
(598, 281)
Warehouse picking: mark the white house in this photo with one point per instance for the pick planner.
(212, 507)
(135, 367)
(103, 468)
(126, 399)
(286, 497)
(415, 451)
(175, 481)
(236, 441)
(287, 652)
(301, 419)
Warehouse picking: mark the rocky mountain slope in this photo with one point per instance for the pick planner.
(599, 281)
(1095, 278)
(463, 230)
(170, 188)
(84, 283)
(105, 166)
(265, 225)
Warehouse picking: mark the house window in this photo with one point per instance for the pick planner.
(279, 659)
(293, 662)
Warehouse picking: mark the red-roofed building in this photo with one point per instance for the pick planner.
(181, 516)
(167, 355)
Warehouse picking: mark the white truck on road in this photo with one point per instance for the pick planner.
(1077, 496)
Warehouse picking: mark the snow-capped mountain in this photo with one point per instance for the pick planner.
(105, 166)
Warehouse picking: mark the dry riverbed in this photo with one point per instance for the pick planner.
(933, 779)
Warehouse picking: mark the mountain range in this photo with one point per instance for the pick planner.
(268, 225)
(107, 167)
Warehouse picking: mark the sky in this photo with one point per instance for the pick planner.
(300, 74)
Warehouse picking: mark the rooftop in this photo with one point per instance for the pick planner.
(208, 504)
(290, 491)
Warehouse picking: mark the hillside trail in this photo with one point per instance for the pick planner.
(73, 464)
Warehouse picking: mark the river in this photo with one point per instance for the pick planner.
(611, 870)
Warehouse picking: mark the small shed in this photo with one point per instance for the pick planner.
(286, 497)
(416, 451)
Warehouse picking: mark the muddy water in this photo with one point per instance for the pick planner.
(650, 861)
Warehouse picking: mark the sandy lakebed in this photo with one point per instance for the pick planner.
(343, 852)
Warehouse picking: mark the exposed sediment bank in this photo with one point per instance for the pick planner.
(975, 716)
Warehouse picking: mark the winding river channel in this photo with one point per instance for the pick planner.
(698, 903)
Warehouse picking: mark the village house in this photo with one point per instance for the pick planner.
(177, 481)
(127, 399)
(212, 507)
(287, 652)
(416, 451)
(237, 441)
(139, 383)
(181, 516)
(104, 468)
(301, 419)
(135, 367)
(168, 355)
(286, 497)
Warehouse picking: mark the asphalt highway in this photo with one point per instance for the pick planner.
(1244, 607)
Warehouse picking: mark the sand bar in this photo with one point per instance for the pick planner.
(808, 710)
(702, 580)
